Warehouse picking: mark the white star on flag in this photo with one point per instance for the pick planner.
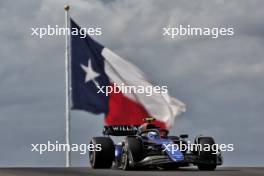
(90, 73)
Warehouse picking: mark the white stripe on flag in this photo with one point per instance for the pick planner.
(161, 106)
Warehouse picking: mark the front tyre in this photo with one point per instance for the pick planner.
(132, 152)
(105, 157)
(208, 158)
(207, 167)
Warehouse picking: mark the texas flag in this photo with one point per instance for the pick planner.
(94, 66)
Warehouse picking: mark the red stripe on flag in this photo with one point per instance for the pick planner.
(124, 111)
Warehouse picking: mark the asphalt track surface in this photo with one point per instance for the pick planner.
(221, 171)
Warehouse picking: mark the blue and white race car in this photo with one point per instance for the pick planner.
(151, 146)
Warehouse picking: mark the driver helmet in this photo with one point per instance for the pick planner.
(152, 134)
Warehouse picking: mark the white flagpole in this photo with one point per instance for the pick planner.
(67, 88)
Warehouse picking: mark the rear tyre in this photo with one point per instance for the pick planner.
(208, 156)
(105, 157)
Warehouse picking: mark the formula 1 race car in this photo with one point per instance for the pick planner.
(151, 146)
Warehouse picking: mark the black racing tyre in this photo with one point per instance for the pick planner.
(207, 155)
(206, 167)
(132, 152)
(105, 157)
(135, 147)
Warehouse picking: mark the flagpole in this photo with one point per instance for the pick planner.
(67, 88)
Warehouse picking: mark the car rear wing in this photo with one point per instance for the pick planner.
(120, 130)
